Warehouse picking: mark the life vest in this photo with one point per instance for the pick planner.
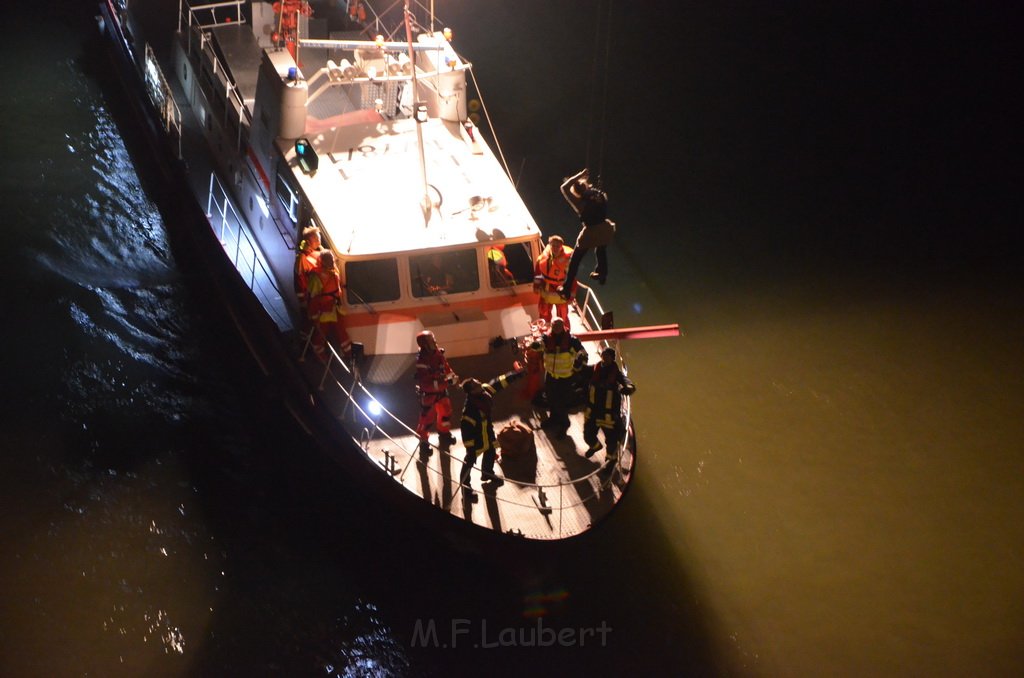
(305, 264)
(324, 295)
(534, 371)
(559, 355)
(553, 269)
(500, 275)
(356, 11)
(496, 256)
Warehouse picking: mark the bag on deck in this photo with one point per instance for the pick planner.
(518, 452)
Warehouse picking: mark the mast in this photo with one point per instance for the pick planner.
(420, 115)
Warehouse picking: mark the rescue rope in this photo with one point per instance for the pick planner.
(602, 128)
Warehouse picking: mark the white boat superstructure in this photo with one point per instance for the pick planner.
(390, 170)
(371, 140)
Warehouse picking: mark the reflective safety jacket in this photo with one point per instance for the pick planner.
(324, 295)
(498, 265)
(306, 264)
(607, 386)
(560, 354)
(553, 266)
(476, 428)
(432, 372)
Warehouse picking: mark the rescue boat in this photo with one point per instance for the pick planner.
(272, 120)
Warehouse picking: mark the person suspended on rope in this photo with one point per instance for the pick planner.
(596, 230)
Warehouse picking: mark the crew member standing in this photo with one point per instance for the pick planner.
(306, 262)
(564, 356)
(596, 230)
(478, 429)
(324, 290)
(604, 406)
(549, 274)
(433, 375)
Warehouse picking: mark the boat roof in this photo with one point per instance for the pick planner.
(368, 189)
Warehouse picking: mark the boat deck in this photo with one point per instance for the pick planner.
(560, 494)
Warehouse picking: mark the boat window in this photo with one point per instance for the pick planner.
(440, 273)
(510, 264)
(367, 282)
(288, 198)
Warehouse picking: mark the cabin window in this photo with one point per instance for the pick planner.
(371, 281)
(441, 273)
(288, 198)
(509, 264)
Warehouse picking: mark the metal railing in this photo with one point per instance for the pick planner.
(161, 96)
(197, 42)
(337, 375)
(591, 311)
(238, 244)
(389, 427)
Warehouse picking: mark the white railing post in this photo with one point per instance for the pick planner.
(561, 508)
(223, 218)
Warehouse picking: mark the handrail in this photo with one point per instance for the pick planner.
(231, 93)
(233, 231)
(161, 96)
(358, 388)
(246, 260)
(592, 312)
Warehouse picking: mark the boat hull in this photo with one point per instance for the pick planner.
(287, 378)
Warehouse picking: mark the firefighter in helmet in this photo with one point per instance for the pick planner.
(604, 406)
(477, 427)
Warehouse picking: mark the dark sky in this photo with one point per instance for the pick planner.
(851, 130)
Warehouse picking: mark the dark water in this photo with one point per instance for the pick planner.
(831, 473)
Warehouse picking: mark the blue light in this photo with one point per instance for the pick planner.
(374, 408)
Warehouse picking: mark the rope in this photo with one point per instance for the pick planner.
(487, 116)
(604, 91)
(602, 128)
